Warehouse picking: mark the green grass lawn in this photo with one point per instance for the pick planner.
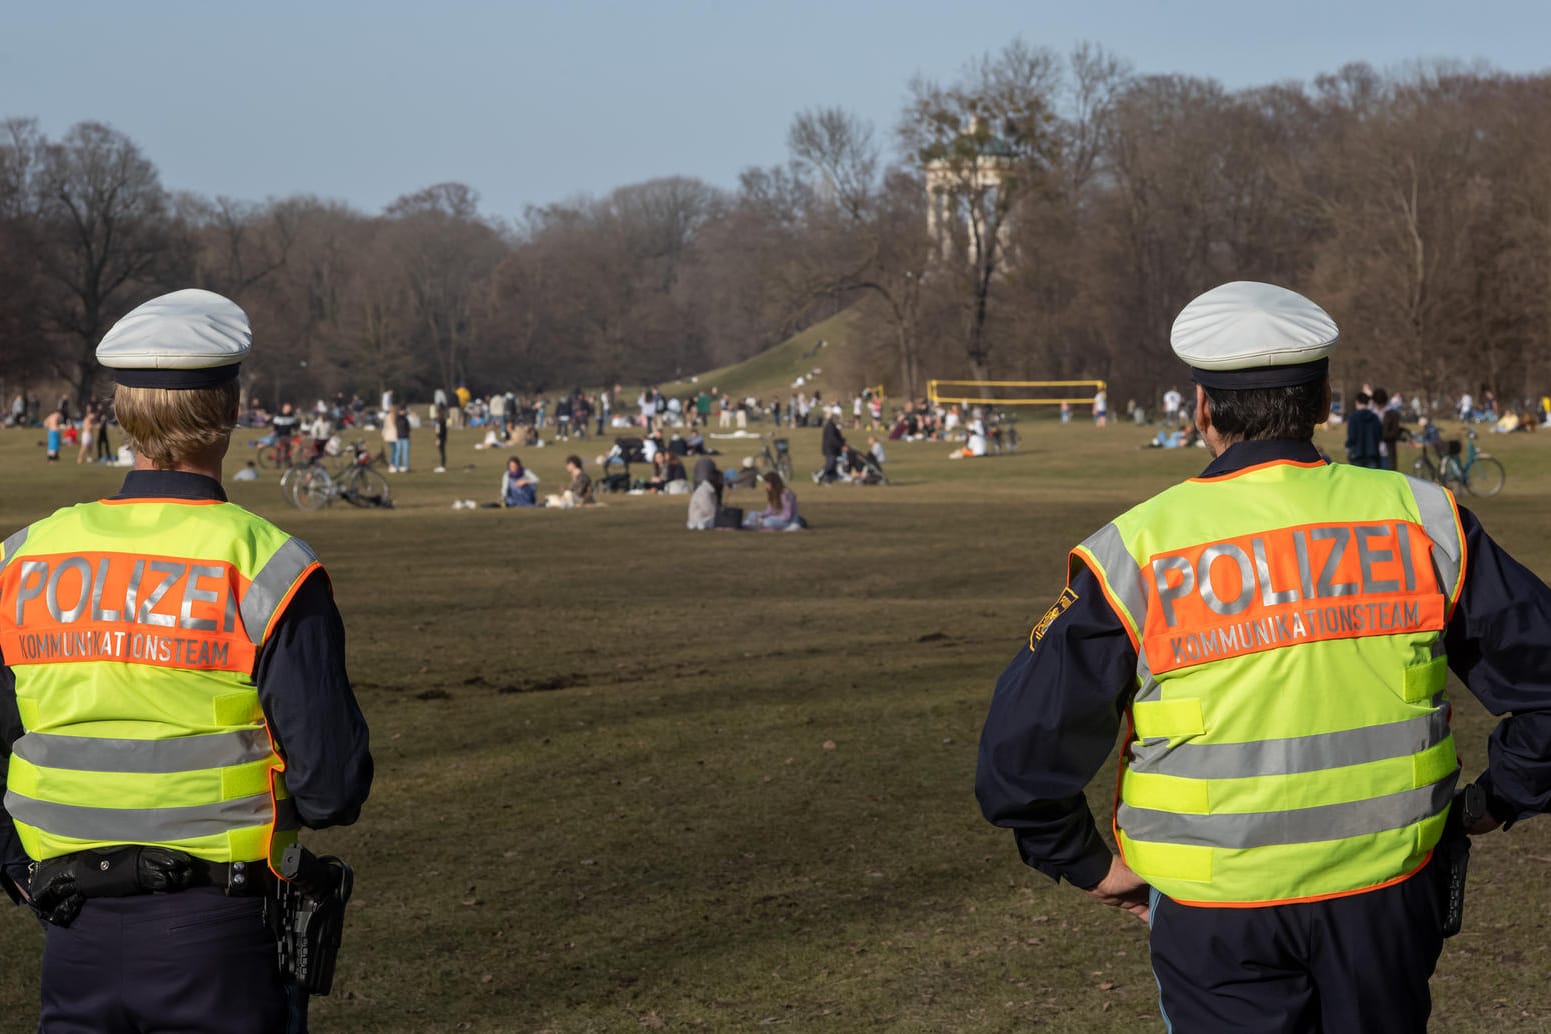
(633, 777)
(771, 373)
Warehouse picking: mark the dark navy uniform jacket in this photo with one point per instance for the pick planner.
(302, 684)
(1059, 705)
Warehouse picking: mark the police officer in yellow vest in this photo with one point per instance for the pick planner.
(1277, 631)
(175, 705)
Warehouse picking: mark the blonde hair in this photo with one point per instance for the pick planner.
(171, 425)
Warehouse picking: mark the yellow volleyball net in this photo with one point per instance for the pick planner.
(1014, 393)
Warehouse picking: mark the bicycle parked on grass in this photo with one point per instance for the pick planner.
(1461, 467)
(311, 486)
(278, 453)
(338, 462)
(354, 455)
(777, 456)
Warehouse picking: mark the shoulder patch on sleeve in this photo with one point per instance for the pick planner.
(1067, 598)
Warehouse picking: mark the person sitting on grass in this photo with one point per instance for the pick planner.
(668, 470)
(780, 513)
(652, 444)
(707, 497)
(974, 446)
(659, 478)
(580, 492)
(1184, 435)
(517, 484)
(581, 483)
(745, 477)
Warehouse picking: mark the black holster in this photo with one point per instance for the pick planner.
(311, 917)
(1454, 855)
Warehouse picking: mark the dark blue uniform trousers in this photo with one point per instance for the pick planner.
(187, 963)
(1352, 965)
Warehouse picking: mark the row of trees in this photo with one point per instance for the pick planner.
(1041, 216)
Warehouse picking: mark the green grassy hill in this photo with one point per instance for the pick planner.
(774, 370)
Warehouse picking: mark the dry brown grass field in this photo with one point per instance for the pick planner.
(631, 777)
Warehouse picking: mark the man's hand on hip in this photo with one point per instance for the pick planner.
(1481, 825)
(1123, 888)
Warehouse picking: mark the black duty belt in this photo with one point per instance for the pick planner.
(114, 872)
(238, 879)
(60, 886)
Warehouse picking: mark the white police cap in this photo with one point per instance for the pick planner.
(1252, 335)
(186, 339)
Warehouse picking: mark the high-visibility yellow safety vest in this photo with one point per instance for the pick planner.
(132, 628)
(1290, 733)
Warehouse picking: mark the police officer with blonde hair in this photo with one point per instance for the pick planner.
(1278, 632)
(174, 701)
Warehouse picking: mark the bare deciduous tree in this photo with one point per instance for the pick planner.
(445, 254)
(23, 357)
(104, 231)
(838, 147)
(236, 244)
(1061, 209)
(986, 142)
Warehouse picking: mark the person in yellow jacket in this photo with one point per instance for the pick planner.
(175, 706)
(1277, 633)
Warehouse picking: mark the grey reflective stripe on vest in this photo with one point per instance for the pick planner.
(270, 586)
(183, 754)
(11, 546)
(139, 825)
(1119, 571)
(1147, 687)
(1302, 826)
(1432, 502)
(1292, 754)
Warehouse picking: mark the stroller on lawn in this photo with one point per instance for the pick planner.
(860, 467)
(616, 463)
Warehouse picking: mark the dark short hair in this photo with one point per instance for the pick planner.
(575, 461)
(1262, 413)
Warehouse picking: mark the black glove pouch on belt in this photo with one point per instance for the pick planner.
(61, 885)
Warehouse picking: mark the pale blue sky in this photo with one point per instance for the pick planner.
(530, 103)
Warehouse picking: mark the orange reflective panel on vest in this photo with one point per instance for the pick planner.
(97, 606)
(1313, 582)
